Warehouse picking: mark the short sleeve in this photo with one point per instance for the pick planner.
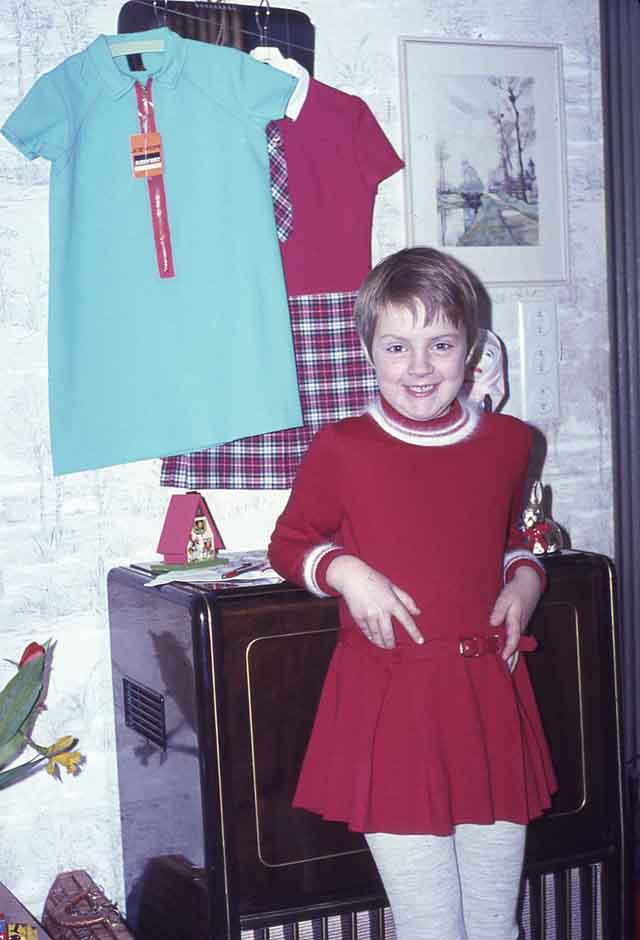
(39, 125)
(263, 89)
(375, 156)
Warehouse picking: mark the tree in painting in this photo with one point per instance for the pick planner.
(521, 123)
(487, 189)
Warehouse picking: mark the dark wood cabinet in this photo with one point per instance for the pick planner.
(215, 694)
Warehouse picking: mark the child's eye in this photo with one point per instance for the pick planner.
(395, 348)
(443, 346)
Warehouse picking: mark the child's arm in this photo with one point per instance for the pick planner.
(515, 604)
(302, 543)
(524, 576)
(303, 547)
(373, 600)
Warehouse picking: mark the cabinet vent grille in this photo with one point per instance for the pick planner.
(564, 905)
(144, 712)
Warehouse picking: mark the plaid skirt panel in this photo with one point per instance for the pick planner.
(335, 381)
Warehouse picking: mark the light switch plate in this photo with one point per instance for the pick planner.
(539, 354)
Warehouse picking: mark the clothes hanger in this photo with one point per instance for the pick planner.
(164, 12)
(127, 46)
(132, 46)
(127, 22)
(272, 55)
(263, 27)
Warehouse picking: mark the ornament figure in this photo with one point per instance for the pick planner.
(543, 535)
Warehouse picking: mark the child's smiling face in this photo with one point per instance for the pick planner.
(420, 367)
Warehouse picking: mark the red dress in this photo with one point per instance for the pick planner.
(418, 739)
(337, 155)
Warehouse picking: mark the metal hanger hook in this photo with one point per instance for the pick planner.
(262, 25)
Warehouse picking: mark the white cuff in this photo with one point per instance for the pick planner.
(519, 554)
(310, 566)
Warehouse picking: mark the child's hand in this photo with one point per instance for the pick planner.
(373, 600)
(515, 604)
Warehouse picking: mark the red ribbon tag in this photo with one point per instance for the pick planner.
(146, 154)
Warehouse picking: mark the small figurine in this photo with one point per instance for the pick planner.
(543, 535)
(485, 381)
(189, 534)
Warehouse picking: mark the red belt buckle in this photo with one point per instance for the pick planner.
(473, 646)
(469, 646)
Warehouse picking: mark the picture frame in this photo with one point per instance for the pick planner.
(484, 148)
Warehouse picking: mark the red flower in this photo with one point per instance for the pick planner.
(30, 652)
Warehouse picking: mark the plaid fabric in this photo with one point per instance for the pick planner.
(282, 205)
(335, 381)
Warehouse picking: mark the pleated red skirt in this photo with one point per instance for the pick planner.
(422, 740)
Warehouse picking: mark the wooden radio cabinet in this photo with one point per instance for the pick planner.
(215, 692)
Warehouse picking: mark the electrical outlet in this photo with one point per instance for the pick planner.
(539, 353)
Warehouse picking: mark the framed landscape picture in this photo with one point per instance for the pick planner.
(483, 127)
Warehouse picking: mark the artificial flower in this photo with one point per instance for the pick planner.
(61, 755)
(30, 652)
(21, 701)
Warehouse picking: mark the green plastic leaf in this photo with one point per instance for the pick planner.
(19, 697)
(10, 750)
(7, 777)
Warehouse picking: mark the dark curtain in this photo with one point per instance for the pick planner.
(620, 32)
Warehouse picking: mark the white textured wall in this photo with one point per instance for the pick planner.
(58, 538)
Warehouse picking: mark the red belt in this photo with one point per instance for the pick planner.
(470, 646)
(479, 645)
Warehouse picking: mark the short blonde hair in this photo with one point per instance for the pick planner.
(420, 278)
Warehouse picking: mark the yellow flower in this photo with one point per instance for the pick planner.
(61, 755)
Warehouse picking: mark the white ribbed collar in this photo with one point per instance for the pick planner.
(459, 423)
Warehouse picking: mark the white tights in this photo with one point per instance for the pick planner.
(459, 887)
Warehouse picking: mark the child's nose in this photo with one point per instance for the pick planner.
(421, 363)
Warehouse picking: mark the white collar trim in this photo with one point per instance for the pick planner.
(441, 436)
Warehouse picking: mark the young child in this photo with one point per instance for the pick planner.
(427, 736)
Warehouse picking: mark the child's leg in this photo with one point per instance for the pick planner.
(420, 876)
(490, 866)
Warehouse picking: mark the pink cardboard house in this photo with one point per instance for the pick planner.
(189, 533)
